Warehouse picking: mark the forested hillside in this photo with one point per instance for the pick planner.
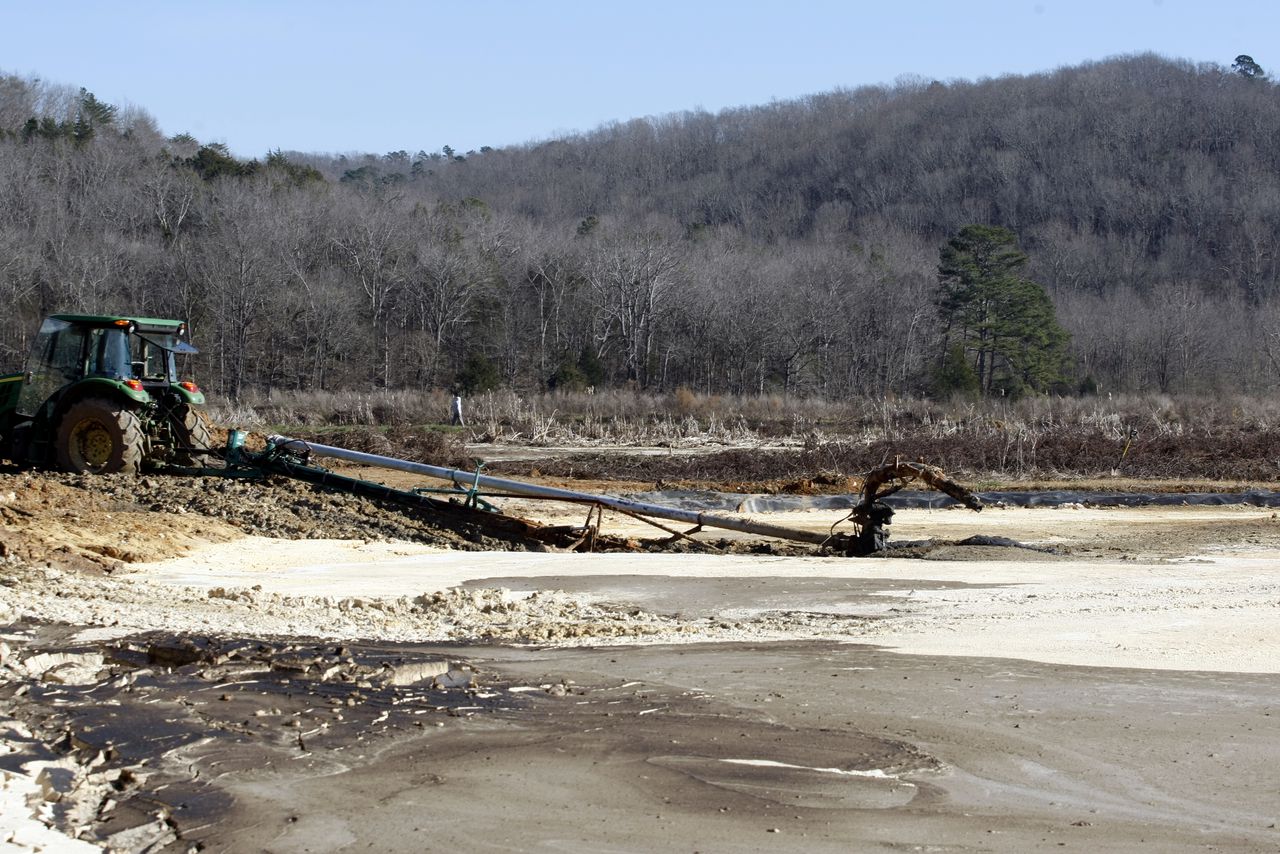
(791, 247)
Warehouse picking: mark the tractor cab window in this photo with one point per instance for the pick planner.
(153, 357)
(109, 354)
(57, 358)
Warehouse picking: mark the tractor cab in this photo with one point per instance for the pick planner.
(102, 393)
(134, 355)
(154, 360)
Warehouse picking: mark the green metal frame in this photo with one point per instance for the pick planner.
(471, 494)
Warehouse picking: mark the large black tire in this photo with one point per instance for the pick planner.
(100, 436)
(17, 447)
(193, 437)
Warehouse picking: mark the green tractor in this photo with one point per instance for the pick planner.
(102, 395)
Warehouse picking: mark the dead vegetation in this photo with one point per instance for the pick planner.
(772, 438)
(1239, 457)
(406, 443)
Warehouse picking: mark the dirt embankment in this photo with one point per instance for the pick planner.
(99, 522)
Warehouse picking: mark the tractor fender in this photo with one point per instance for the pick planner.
(102, 387)
(106, 387)
(186, 395)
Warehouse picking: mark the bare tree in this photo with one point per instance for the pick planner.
(239, 274)
(631, 279)
(370, 239)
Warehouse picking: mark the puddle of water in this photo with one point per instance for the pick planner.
(769, 763)
(239, 707)
(796, 785)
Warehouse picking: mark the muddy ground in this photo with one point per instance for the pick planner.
(229, 665)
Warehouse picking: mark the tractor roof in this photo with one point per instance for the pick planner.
(153, 323)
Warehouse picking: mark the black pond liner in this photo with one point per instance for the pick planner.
(725, 501)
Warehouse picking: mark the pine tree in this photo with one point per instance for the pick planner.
(1000, 320)
(955, 377)
(1247, 68)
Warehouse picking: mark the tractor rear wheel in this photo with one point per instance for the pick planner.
(194, 439)
(100, 436)
(18, 444)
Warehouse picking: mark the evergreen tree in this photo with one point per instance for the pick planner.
(478, 374)
(955, 377)
(1247, 68)
(215, 161)
(94, 112)
(992, 315)
(590, 366)
(298, 174)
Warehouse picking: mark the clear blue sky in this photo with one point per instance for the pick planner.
(314, 75)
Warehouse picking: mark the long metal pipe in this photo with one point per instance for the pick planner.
(466, 480)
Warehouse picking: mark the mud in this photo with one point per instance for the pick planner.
(104, 522)
(218, 665)
(251, 744)
(130, 731)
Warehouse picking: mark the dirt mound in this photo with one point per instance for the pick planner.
(102, 521)
(405, 443)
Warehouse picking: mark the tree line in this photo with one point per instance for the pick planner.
(799, 247)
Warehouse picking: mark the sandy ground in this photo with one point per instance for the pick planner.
(1120, 693)
(1196, 606)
